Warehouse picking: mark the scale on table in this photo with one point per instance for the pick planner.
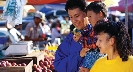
(17, 47)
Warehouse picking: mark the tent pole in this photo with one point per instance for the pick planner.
(126, 14)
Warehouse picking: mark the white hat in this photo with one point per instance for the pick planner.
(38, 15)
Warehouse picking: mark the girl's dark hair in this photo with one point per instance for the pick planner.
(119, 32)
(72, 4)
(97, 7)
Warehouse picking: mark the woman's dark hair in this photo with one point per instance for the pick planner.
(119, 32)
(97, 7)
(72, 4)
(54, 25)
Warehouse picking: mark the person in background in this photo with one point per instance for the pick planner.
(65, 25)
(130, 26)
(114, 41)
(113, 18)
(55, 32)
(50, 22)
(33, 30)
(46, 33)
(95, 11)
(46, 29)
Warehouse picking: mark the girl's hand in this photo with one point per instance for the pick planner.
(83, 52)
(82, 69)
(86, 21)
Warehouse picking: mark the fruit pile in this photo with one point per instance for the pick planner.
(7, 64)
(45, 65)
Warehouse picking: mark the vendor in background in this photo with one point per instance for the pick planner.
(33, 30)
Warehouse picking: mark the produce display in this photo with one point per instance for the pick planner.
(8, 64)
(45, 65)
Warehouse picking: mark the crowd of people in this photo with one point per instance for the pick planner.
(41, 31)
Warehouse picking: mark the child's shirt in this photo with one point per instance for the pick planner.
(88, 40)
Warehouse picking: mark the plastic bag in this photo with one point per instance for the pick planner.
(13, 11)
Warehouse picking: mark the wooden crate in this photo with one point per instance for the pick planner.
(36, 56)
(28, 68)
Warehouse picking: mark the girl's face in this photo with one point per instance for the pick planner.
(104, 43)
(93, 17)
(77, 18)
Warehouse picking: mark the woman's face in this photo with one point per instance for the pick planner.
(77, 18)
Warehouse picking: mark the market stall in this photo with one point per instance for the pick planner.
(20, 55)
